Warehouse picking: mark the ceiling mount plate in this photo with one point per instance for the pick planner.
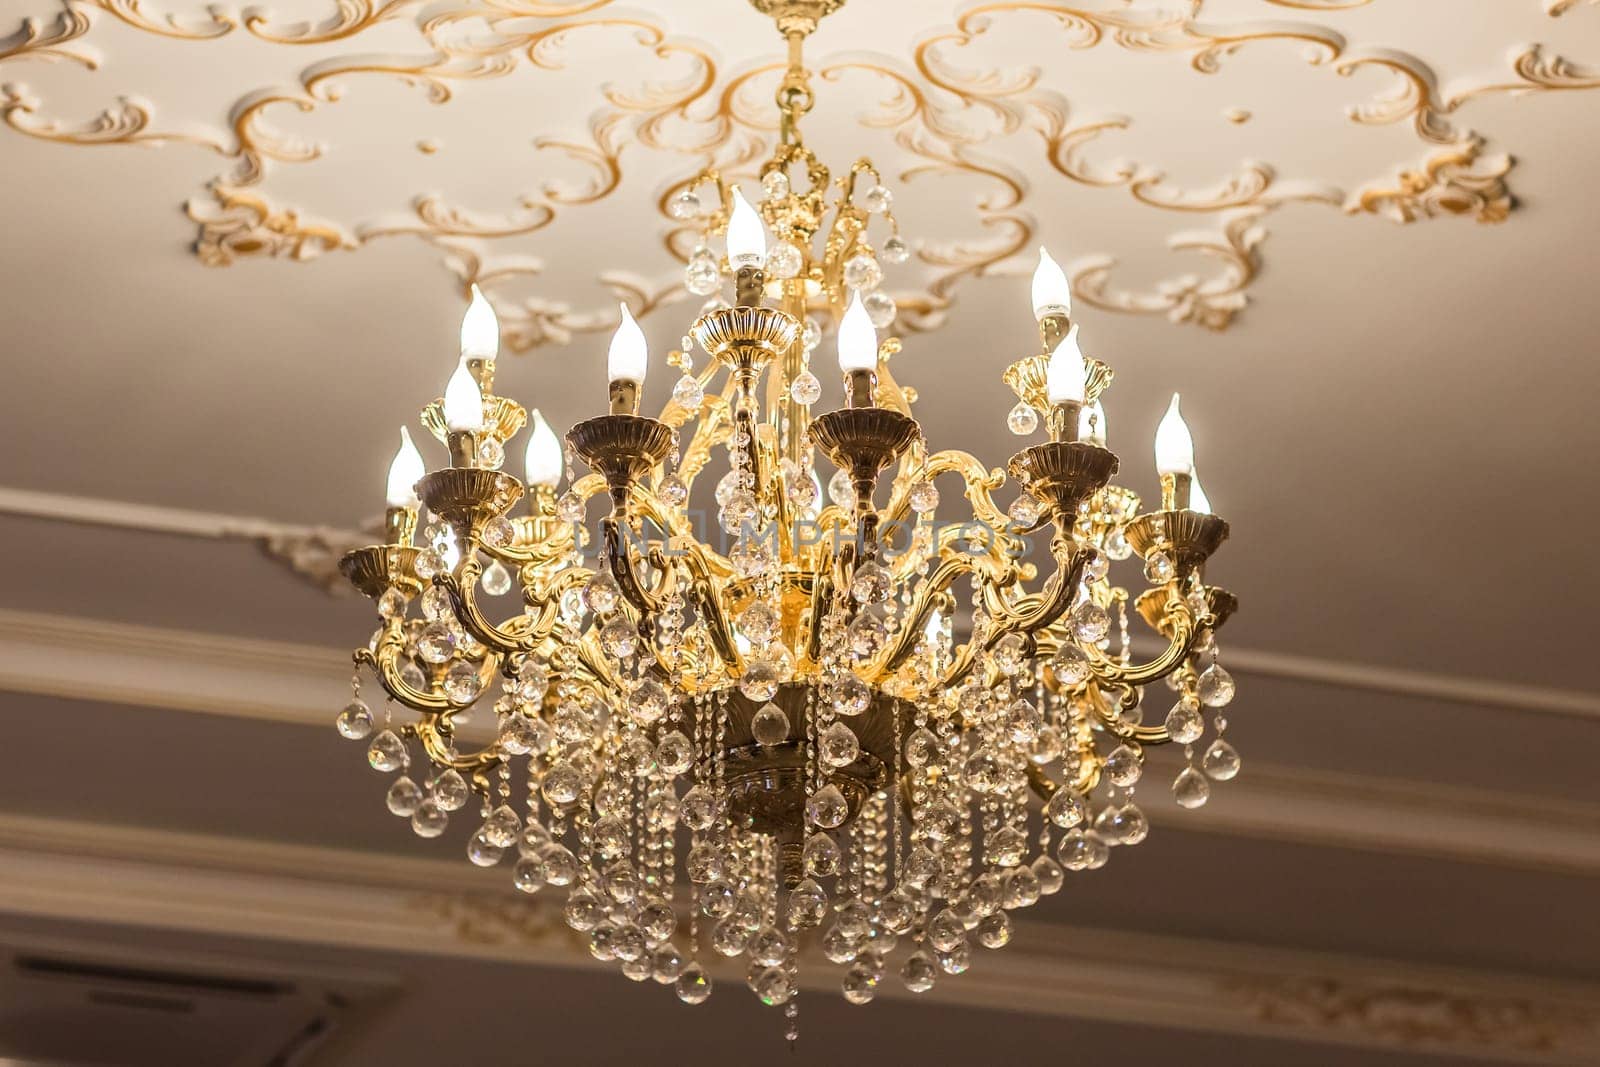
(797, 16)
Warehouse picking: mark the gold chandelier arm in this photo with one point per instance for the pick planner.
(979, 481)
(914, 618)
(435, 738)
(518, 635)
(712, 610)
(1035, 613)
(1183, 626)
(384, 661)
(646, 601)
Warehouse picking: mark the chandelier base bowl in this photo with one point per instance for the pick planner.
(1028, 378)
(766, 783)
(468, 497)
(1063, 474)
(1189, 537)
(745, 337)
(502, 419)
(622, 449)
(376, 569)
(864, 441)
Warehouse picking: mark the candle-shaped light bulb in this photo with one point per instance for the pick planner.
(480, 330)
(1052, 295)
(1064, 377)
(404, 472)
(463, 403)
(1197, 496)
(542, 461)
(1092, 424)
(1174, 445)
(628, 357)
(858, 339)
(747, 237)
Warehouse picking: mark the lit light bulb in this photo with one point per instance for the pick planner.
(1198, 500)
(463, 403)
(1174, 445)
(1064, 377)
(542, 460)
(480, 330)
(1052, 295)
(747, 237)
(858, 340)
(629, 353)
(404, 472)
(1092, 424)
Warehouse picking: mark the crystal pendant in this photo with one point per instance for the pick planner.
(860, 983)
(701, 276)
(870, 584)
(675, 753)
(1051, 878)
(770, 726)
(429, 820)
(1185, 723)
(491, 454)
(862, 273)
(1090, 623)
(769, 947)
(995, 930)
(482, 852)
(837, 745)
(1066, 808)
(436, 643)
(821, 856)
(387, 752)
(919, 972)
(895, 250)
(693, 984)
(877, 199)
(412, 675)
(924, 497)
(1221, 761)
(784, 260)
(1190, 788)
(686, 205)
(946, 931)
(649, 702)
(498, 532)
(562, 785)
(922, 747)
(558, 866)
(1024, 510)
(619, 638)
(840, 490)
(570, 507)
(827, 808)
(866, 635)
(1132, 824)
(1124, 766)
(1215, 688)
(672, 490)
(1023, 420)
(355, 721)
(496, 579)
(518, 735)
(688, 393)
(880, 308)
(808, 904)
(1158, 568)
(525, 876)
(759, 622)
(451, 791)
(700, 808)
(462, 683)
(848, 694)
(805, 389)
(1070, 665)
(666, 966)
(502, 827)
(760, 679)
(392, 604)
(403, 797)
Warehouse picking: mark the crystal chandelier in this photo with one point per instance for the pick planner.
(861, 725)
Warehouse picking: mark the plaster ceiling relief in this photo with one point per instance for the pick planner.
(534, 143)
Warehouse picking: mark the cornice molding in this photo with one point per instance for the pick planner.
(118, 663)
(205, 884)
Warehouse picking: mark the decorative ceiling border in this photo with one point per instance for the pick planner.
(945, 117)
(206, 884)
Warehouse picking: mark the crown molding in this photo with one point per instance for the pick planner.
(313, 553)
(140, 666)
(206, 884)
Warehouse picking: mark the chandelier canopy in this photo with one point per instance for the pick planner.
(877, 720)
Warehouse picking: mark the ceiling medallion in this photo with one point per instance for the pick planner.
(785, 739)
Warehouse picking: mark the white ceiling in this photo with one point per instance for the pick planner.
(1392, 406)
